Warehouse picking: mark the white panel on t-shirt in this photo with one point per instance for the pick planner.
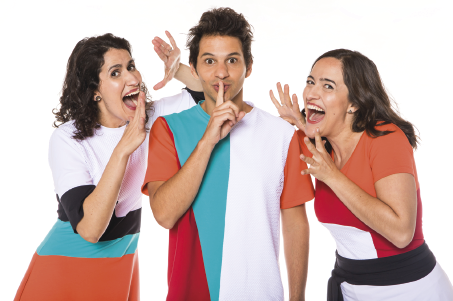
(250, 268)
(77, 163)
(351, 242)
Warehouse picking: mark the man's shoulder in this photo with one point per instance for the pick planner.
(267, 120)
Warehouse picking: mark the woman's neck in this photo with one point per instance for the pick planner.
(344, 144)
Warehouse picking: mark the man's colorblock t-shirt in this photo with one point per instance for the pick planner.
(226, 246)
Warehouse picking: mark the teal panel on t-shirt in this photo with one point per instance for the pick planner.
(209, 205)
(61, 240)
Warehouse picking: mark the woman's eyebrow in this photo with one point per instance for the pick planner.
(328, 80)
(311, 77)
(115, 66)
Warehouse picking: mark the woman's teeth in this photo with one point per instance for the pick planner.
(130, 97)
(312, 107)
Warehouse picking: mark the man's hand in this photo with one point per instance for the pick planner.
(223, 118)
(169, 56)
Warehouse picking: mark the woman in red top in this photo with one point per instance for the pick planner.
(367, 190)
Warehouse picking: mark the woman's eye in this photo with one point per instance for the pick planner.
(131, 68)
(232, 60)
(115, 73)
(209, 61)
(310, 82)
(328, 86)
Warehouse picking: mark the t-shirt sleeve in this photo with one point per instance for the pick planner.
(391, 154)
(72, 179)
(163, 162)
(303, 147)
(171, 104)
(297, 189)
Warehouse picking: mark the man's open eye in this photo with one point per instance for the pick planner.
(232, 60)
(209, 61)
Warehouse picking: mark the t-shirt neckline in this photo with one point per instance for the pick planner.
(344, 168)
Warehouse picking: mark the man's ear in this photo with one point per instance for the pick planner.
(249, 69)
(193, 71)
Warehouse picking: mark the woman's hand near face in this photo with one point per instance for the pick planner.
(288, 110)
(321, 164)
(135, 132)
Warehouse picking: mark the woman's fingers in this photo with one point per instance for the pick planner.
(170, 37)
(280, 94)
(141, 101)
(319, 145)
(296, 103)
(310, 146)
(161, 55)
(274, 100)
(307, 160)
(286, 98)
(306, 171)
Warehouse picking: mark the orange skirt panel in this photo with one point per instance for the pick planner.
(52, 278)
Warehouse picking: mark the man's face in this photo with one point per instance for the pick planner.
(221, 59)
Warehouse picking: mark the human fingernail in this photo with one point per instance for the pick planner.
(317, 129)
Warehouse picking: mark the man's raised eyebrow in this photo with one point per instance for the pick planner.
(206, 53)
(234, 53)
(328, 80)
(311, 77)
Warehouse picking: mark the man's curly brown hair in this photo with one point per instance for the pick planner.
(82, 80)
(222, 21)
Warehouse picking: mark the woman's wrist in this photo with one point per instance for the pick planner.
(120, 153)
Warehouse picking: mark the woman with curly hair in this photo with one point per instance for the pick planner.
(367, 189)
(98, 162)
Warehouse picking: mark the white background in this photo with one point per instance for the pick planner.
(410, 42)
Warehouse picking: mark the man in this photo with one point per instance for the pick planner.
(220, 173)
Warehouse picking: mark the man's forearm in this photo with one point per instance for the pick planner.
(172, 199)
(296, 244)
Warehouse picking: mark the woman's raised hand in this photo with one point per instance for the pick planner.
(321, 164)
(135, 132)
(170, 56)
(288, 110)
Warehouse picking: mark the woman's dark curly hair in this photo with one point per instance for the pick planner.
(366, 92)
(222, 21)
(82, 80)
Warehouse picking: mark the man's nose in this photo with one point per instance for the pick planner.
(222, 71)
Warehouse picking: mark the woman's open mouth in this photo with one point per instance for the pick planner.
(314, 113)
(131, 99)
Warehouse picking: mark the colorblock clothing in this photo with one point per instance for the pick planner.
(226, 246)
(372, 160)
(65, 266)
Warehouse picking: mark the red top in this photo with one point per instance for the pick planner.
(372, 160)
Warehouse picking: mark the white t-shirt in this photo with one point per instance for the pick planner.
(78, 163)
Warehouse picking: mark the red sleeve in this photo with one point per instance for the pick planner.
(303, 147)
(391, 154)
(297, 189)
(163, 162)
